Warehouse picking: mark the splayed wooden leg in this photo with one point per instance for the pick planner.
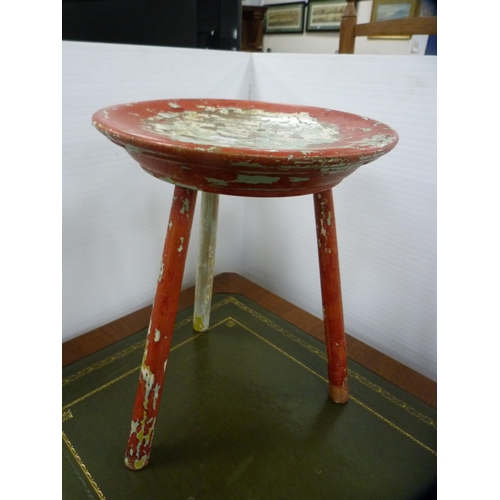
(206, 261)
(331, 296)
(161, 327)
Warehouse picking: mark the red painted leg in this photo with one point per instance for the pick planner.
(331, 296)
(159, 338)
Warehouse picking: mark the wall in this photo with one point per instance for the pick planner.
(115, 216)
(328, 42)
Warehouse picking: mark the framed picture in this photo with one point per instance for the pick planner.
(325, 15)
(387, 10)
(285, 18)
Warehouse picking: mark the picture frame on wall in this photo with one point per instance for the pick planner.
(325, 15)
(284, 18)
(387, 10)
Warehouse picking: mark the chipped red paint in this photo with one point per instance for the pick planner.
(279, 170)
(241, 148)
(331, 295)
(161, 328)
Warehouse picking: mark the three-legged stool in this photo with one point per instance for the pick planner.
(240, 148)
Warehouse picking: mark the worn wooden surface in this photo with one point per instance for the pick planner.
(161, 328)
(347, 37)
(252, 28)
(399, 27)
(206, 261)
(245, 148)
(393, 371)
(331, 294)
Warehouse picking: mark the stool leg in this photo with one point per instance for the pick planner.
(331, 296)
(206, 261)
(161, 326)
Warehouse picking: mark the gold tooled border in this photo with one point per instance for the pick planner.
(138, 345)
(67, 414)
(363, 405)
(374, 387)
(232, 300)
(111, 382)
(230, 321)
(82, 466)
(110, 359)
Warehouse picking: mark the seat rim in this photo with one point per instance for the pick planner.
(240, 170)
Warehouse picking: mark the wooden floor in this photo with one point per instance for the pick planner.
(393, 371)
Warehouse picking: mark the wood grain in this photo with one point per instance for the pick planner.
(349, 30)
(399, 27)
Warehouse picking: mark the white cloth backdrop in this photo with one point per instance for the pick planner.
(385, 211)
(114, 214)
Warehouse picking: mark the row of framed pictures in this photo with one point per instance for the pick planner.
(322, 15)
(326, 15)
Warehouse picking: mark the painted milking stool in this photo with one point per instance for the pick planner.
(240, 148)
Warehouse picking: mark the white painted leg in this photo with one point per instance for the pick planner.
(206, 261)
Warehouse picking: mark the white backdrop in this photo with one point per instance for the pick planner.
(385, 211)
(114, 216)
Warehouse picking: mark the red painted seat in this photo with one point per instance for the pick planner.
(245, 148)
(241, 148)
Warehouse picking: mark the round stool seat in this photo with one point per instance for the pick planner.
(245, 148)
